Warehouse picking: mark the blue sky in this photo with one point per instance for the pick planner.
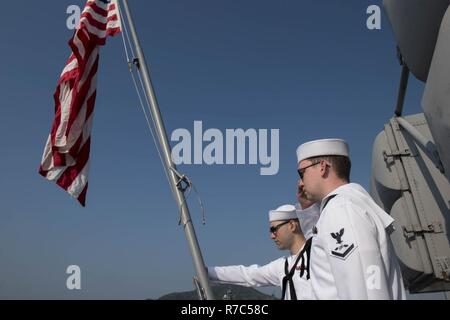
(310, 69)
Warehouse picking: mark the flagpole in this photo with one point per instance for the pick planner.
(168, 163)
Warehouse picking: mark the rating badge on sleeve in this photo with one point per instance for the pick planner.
(341, 249)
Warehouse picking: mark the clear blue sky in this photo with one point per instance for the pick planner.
(311, 69)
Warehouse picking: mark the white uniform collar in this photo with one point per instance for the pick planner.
(335, 192)
(358, 194)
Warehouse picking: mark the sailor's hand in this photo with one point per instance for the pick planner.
(302, 198)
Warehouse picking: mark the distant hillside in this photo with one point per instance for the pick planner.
(221, 291)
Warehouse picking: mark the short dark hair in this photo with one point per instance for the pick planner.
(341, 165)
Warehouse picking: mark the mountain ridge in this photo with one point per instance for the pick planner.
(222, 292)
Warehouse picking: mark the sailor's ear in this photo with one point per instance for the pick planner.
(325, 168)
(295, 225)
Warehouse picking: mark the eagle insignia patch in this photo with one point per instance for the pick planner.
(341, 250)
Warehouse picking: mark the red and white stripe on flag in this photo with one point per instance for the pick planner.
(66, 154)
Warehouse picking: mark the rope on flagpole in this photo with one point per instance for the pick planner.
(189, 188)
(183, 178)
(160, 130)
(130, 64)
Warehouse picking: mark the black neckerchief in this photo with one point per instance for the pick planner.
(289, 274)
(314, 229)
(303, 266)
(328, 200)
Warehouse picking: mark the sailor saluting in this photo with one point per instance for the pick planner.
(290, 273)
(352, 256)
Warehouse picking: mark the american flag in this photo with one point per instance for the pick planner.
(66, 154)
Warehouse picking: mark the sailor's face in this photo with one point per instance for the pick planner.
(280, 233)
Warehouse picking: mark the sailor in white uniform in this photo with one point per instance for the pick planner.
(290, 273)
(352, 256)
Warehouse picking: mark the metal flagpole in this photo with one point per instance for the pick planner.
(170, 166)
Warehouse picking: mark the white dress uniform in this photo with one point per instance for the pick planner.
(352, 256)
(273, 273)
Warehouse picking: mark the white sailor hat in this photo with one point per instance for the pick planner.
(323, 147)
(285, 212)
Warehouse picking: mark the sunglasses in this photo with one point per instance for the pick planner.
(301, 171)
(274, 229)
